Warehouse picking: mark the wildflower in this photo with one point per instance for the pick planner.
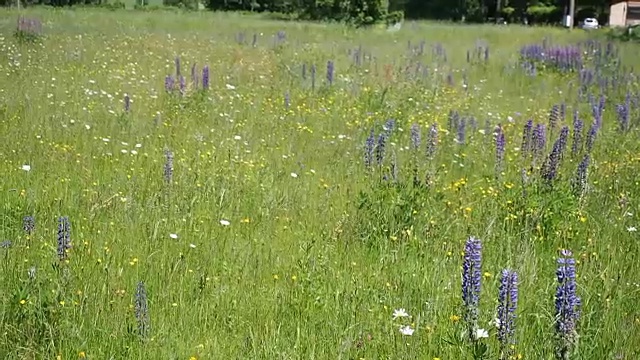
(461, 131)
(313, 76)
(567, 304)
(169, 83)
(471, 282)
(550, 167)
(539, 139)
(182, 84)
(28, 224)
(330, 72)
(432, 141)
(481, 334)
(26, 168)
(205, 77)
(225, 222)
(400, 313)
(580, 179)
(527, 145)
(168, 166)
(554, 116)
(142, 310)
(578, 126)
(127, 103)
(380, 147)
(406, 330)
(177, 66)
(507, 304)
(173, 236)
(194, 77)
(500, 144)
(369, 146)
(294, 175)
(5, 244)
(591, 136)
(64, 237)
(632, 229)
(415, 136)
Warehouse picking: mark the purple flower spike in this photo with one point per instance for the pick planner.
(507, 305)
(567, 304)
(471, 283)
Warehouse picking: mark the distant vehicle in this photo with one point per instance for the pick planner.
(590, 23)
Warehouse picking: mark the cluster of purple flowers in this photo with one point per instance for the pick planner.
(566, 300)
(559, 58)
(29, 26)
(170, 83)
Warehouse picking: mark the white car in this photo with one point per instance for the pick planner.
(590, 23)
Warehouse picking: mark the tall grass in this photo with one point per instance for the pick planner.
(269, 237)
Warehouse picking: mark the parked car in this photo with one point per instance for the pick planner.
(590, 23)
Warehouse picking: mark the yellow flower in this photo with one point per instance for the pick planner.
(454, 318)
(23, 301)
(82, 355)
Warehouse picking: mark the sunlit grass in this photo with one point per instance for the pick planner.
(262, 244)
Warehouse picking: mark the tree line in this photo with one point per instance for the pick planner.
(365, 12)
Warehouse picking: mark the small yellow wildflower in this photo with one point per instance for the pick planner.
(454, 318)
(82, 355)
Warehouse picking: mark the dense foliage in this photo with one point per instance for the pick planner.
(364, 12)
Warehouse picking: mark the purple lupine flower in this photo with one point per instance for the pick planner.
(194, 76)
(287, 100)
(563, 139)
(471, 283)
(127, 103)
(591, 136)
(550, 167)
(183, 84)
(142, 310)
(507, 305)
(205, 77)
(461, 131)
(169, 83)
(450, 79)
(563, 111)
(578, 126)
(389, 125)
(28, 224)
(554, 116)
(580, 179)
(539, 139)
(168, 166)
(567, 304)
(527, 141)
(369, 147)
(432, 141)
(500, 144)
(64, 237)
(623, 112)
(415, 136)
(304, 71)
(380, 147)
(313, 76)
(254, 43)
(330, 71)
(177, 66)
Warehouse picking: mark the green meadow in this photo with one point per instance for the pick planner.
(241, 221)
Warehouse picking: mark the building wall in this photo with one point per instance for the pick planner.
(618, 14)
(633, 13)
